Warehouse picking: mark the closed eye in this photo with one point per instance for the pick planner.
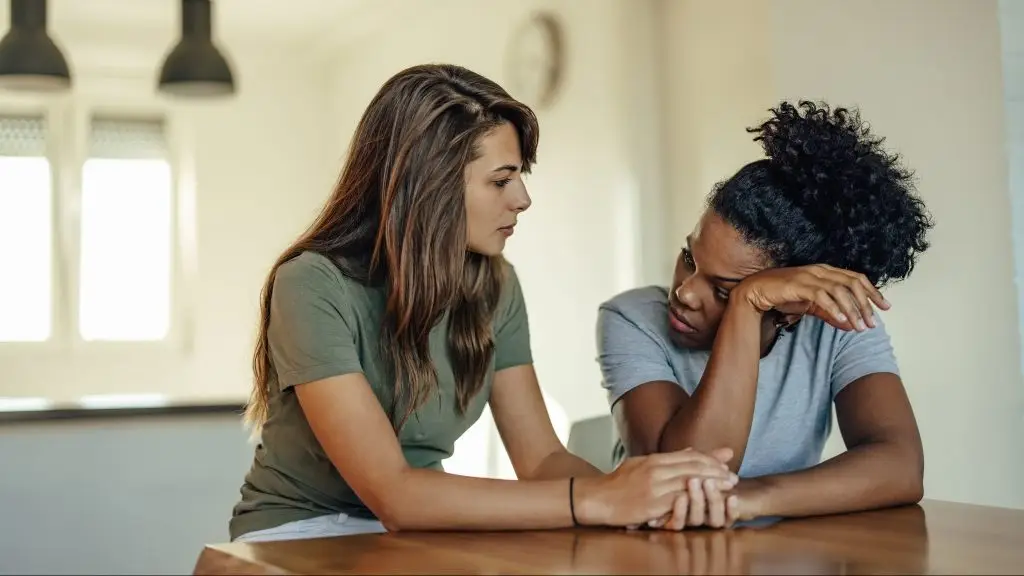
(688, 259)
(502, 183)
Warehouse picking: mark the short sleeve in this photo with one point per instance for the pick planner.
(628, 355)
(310, 335)
(512, 327)
(861, 353)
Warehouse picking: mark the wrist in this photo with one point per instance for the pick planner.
(742, 301)
(587, 502)
(755, 498)
(741, 311)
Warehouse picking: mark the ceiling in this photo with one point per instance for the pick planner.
(279, 20)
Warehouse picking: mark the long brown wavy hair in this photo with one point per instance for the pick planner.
(397, 218)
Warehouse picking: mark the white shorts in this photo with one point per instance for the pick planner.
(319, 527)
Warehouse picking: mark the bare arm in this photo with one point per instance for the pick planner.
(355, 433)
(525, 428)
(883, 465)
(350, 425)
(661, 417)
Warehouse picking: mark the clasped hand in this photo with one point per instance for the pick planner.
(707, 503)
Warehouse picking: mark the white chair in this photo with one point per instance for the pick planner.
(595, 440)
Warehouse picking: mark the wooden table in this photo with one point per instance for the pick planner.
(934, 538)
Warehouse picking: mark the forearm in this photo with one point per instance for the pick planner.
(563, 464)
(875, 475)
(432, 500)
(720, 412)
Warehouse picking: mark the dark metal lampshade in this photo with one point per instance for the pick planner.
(29, 59)
(195, 67)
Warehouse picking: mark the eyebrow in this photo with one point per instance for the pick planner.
(506, 167)
(722, 279)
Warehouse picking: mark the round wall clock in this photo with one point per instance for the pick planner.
(536, 60)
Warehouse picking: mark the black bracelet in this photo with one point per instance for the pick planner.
(572, 502)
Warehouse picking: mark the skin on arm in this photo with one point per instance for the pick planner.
(661, 416)
(521, 417)
(883, 465)
(347, 420)
(721, 410)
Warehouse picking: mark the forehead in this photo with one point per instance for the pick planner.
(500, 146)
(721, 250)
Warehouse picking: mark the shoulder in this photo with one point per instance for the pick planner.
(645, 307)
(870, 350)
(311, 281)
(511, 299)
(307, 267)
(312, 271)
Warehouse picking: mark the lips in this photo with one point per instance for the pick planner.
(507, 230)
(679, 323)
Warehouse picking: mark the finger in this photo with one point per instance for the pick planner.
(867, 311)
(826, 308)
(697, 503)
(723, 455)
(681, 483)
(715, 505)
(686, 456)
(711, 469)
(848, 304)
(870, 289)
(679, 512)
(732, 508)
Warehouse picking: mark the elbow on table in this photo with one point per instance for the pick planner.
(393, 509)
(915, 487)
(912, 480)
(392, 516)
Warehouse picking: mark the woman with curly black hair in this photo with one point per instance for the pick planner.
(769, 321)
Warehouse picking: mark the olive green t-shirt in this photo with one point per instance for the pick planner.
(324, 324)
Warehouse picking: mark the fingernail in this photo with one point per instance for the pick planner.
(732, 478)
(841, 317)
(860, 325)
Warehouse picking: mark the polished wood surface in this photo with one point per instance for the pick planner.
(933, 538)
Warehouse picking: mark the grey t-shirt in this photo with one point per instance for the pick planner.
(797, 381)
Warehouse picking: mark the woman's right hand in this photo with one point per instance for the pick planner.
(840, 297)
(645, 487)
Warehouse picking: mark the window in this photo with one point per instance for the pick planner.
(26, 231)
(125, 263)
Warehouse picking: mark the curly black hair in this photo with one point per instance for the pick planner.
(827, 193)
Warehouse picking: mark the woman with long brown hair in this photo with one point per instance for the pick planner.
(394, 319)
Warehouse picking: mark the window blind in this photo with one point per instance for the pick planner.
(121, 139)
(22, 136)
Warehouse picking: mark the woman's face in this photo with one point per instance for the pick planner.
(714, 260)
(495, 192)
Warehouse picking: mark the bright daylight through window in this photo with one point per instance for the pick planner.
(126, 233)
(26, 231)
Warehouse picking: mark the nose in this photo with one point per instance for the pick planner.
(686, 294)
(522, 201)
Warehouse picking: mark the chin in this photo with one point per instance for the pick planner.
(689, 341)
(490, 249)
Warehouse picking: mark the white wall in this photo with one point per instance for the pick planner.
(1011, 21)
(579, 243)
(255, 168)
(954, 323)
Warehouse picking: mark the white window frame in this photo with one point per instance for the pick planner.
(68, 123)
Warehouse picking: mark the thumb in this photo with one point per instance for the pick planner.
(723, 455)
